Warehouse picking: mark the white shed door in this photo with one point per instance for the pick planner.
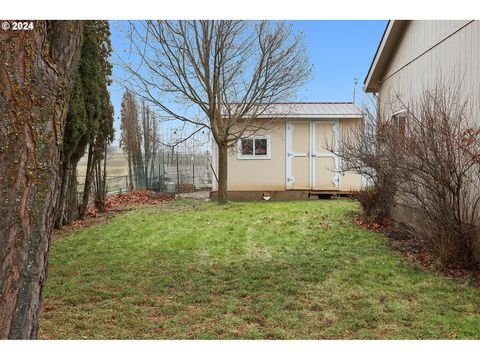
(309, 164)
(324, 162)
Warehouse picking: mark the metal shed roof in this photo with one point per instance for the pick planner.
(315, 110)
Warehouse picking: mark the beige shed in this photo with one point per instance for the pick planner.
(289, 158)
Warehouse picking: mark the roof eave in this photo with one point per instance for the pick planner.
(390, 37)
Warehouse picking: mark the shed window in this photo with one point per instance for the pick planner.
(254, 147)
(247, 146)
(260, 146)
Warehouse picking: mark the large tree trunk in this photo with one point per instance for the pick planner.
(36, 72)
(71, 195)
(222, 173)
(100, 175)
(60, 206)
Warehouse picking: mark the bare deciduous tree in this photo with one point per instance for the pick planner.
(36, 73)
(148, 120)
(222, 75)
(130, 137)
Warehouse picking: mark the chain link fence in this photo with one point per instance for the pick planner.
(181, 163)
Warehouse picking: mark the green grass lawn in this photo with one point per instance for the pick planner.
(260, 270)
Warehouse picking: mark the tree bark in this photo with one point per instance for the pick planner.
(36, 73)
(104, 179)
(60, 207)
(222, 173)
(71, 195)
(100, 175)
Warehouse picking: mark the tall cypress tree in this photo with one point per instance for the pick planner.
(90, 75)
(131, 138)
(106, 131)
(90, 119)
(74, 144)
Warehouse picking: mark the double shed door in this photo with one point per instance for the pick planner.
(310, 166)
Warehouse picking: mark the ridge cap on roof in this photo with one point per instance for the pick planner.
(314, 102)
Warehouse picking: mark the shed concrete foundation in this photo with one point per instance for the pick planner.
(285, 195)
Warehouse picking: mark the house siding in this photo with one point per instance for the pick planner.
(430, 51)
(427, 53)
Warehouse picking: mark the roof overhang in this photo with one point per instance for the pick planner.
(313, 116)
(311, 110)
(387, 46)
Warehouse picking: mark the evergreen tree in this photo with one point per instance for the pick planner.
(89, 121)
(90, 77)
(105, 132)
(75, 141)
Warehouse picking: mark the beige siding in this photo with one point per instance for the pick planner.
(350, 181)
(270, 174)
(260, 174)
(324, 166)
(429, 51)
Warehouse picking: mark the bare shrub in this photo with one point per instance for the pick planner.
(370, 150)
(374, 201)
(438, 176)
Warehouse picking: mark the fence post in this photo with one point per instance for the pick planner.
(163, 168)
(193, 171)
(178, 176)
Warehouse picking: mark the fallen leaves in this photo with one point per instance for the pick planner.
(378, 225)
(138, 197)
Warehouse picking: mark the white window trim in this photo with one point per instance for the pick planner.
(398, 113)
(254, 157)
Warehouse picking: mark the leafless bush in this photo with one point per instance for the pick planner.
(427, 157)
(438, 174)
(370, 150)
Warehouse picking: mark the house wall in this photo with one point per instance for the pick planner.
(270, 174)
(429, 51)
